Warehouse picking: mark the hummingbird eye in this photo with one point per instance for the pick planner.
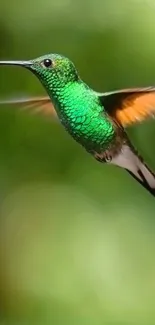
(47, 63)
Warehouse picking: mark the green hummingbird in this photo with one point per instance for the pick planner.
(95, 120)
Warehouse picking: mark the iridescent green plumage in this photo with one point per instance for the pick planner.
(77, 106)
(83, 116)
(94, 120)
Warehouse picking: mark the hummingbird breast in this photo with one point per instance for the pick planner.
(80, 112)
(91, 130)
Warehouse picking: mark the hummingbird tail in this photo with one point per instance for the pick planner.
(134, 164)
(146, 178)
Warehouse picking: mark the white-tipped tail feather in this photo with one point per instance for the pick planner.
(129, 159)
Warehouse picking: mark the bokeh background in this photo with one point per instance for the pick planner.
(77, 239)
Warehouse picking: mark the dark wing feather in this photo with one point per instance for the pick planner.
(35, 104)
(129, 106)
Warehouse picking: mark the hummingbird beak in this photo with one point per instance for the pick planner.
(25, 64)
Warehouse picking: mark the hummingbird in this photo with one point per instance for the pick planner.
(97, 121)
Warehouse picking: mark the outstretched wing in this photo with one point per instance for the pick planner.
(129, 106)
(35, 104)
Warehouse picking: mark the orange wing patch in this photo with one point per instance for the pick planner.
(40, 105)
(35, 105)
(135, 108)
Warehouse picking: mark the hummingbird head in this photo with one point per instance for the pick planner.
(53, 70)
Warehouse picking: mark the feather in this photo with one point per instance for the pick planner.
(134, 164)
(130, 106)
(35, 105)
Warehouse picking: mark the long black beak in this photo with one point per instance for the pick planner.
(25, 64)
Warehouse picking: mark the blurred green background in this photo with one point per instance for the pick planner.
(77, 239)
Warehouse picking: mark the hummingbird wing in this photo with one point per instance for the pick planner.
(35, 104)
(129, 106)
